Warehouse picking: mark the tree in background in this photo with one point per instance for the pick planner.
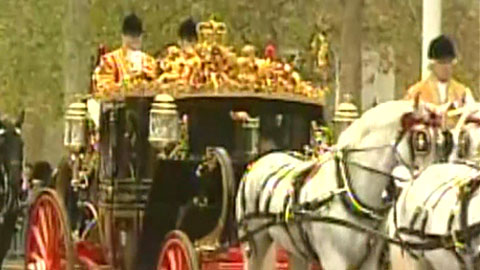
(33, 34)
(351, 50)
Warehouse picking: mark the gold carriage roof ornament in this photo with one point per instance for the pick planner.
(211, 31)
(210, 68)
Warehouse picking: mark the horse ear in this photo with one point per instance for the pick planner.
(20, 119)
(416, 101)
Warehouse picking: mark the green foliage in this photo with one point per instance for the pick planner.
(32, 38)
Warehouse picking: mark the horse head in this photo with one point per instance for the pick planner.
(392, 134)
(403, 132)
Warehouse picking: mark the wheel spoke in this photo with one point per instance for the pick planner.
(36, 256)
(182, 259)
(51, 228)
(178, 252)
(39, 241)
(55, 234)
(172, 259)
(57, 239)
(43, 228)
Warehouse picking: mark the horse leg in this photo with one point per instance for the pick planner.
(332, 259)
(259, 247)
(298, 263)
(373, 261)
(401, 260)
(7, 231)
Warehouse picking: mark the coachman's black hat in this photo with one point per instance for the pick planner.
(441, 47)
(188, 30)
(132, 25)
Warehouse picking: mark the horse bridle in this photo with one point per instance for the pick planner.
(409, 124)
(463, 140)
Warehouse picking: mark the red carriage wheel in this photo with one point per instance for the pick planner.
(177, 253)
(48, 244)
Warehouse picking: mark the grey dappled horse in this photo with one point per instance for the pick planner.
(356, 175)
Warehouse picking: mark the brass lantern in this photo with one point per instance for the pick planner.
(75, 126)
(345, 114)
(164, 122)
(251, 128)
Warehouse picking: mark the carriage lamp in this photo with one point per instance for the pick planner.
(345, 114)
(205, 32)
(220, 31)
(75, 126)
(164, 127)
(251, 129)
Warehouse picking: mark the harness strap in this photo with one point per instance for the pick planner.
(349, 199)
(469, 163)
(275, 184)
(373, 170)
(265, 183)
(366, 149)
(431, 242)
(287, 229)
(306, 241)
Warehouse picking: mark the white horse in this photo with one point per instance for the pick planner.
(392, 133)
(431, 205)
(466, 137)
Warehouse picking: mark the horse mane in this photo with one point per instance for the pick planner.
(381, 116)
